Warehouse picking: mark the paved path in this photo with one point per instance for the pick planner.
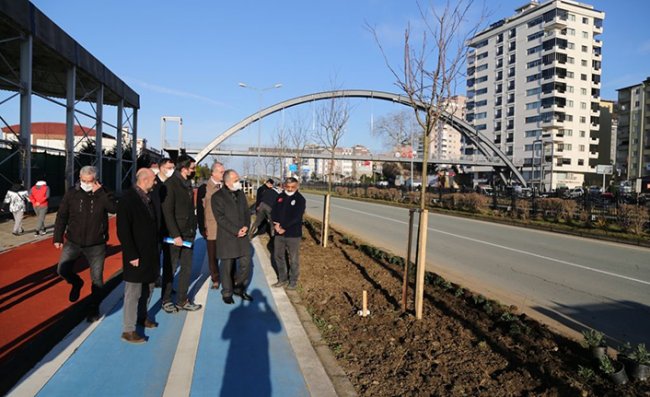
(571, 282)
(246, 349)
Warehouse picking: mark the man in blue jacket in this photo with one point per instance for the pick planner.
(287, 222)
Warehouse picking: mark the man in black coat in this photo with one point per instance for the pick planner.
(287, 222)
(83, 218)
(233, 245)
(264, 207)
(138, 231)
(164, 170)
(180, 219)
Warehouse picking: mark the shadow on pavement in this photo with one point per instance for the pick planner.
(606, 318)
(247, 371)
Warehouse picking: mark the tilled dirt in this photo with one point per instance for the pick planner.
(466, 345)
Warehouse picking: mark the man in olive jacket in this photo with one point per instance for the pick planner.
(137, 229)
(178, 210)
(83, 218)
(233, 245)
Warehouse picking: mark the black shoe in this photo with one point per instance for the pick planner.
(244, 296)
(76, 291)
(228, 300)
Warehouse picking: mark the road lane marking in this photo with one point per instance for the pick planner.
(504, 247)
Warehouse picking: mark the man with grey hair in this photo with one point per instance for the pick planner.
(207, 221)
(233, 245)
(83, 219)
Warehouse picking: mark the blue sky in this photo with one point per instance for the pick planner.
(187, 58)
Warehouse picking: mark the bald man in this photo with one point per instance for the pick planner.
(138, 231)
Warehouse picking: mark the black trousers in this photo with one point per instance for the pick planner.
(240, 279)
(178, 256)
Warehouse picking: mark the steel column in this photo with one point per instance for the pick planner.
(118, 148)
(99, 126)
(26, 110)
(69, 127)
(134, 145)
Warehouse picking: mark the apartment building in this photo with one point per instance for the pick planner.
(633, 137)
(533, 87)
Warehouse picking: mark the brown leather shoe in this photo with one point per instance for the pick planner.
(132, 337)
(215, 285)
(148, 324)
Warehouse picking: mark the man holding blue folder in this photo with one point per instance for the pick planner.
(178, 211)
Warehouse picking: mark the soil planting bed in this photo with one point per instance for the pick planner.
(466, 345)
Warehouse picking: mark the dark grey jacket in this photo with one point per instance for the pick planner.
(178, 207)
(231, 216)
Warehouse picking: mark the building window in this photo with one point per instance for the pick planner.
(533, 133)
(534, 63)
(533, 77)
(511, 85)
(583, 105)
(481, 103)
(483, 55)
(569, 103)
(569, 88)
(535, 49)
(513, 33)
(583, 62)
(570, 45)
(568, 147)
(583, 91)
(583, 119)
(585, 35)
(512, 59)
(581, 162)
(569, 75)
(534, 36)
(533, 105)
(481, 115)
(572, 17)
(571, 60)
(481, 91)
(582, 135)
(583, 77)
(534, 91)
(581, 148)
(481, 79)
(585, 48)
(585, 20)
(571, 32)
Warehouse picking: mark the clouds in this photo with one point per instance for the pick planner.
(179, 93)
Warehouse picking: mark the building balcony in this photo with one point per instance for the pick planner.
(555, 23)
(594, 141)
(553, 123)
(593, 155)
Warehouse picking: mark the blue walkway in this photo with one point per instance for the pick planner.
(243, 349)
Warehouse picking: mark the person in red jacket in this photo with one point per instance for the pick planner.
(38, 196)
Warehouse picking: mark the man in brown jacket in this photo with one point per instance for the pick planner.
(207, 221)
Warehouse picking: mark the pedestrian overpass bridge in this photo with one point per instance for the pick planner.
(493, 156)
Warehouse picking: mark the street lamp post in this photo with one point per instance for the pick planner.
(260, 92)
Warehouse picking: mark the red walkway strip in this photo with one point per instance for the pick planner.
(33, 296)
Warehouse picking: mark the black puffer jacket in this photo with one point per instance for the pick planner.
(83, 217)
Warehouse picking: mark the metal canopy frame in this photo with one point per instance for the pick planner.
(38, 58)
(482, 143)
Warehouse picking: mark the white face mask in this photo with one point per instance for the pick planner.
(290, 193)
(236, 186)
(86, 187)
(156, 171)
(169, 173)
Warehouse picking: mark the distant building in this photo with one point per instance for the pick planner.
(633, 137)
(50, 137)
(533, 88)
(343, 169)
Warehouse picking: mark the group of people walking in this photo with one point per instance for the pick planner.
(16, 201)
(157, 220)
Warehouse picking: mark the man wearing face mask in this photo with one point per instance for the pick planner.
(137, 229)
(178, 210)
(287, 221)
(233, 246)
(83, 217)
(163, 170)
(207, 221)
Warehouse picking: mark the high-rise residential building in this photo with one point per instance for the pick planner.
(533, 87)
(446, 141)
(633, 137)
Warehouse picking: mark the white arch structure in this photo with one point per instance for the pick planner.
(483, 144)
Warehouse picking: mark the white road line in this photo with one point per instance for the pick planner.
(548, 258)
(33, 381)
(181, 373)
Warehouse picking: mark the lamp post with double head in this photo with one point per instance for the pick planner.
(260, 92)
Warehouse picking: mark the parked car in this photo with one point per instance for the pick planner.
(574, 193)
(484, 189)
(595, 190)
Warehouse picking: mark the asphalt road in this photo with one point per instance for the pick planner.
(567, 282)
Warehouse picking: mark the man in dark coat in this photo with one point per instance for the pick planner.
(83, 218)
(287, 222)
(180, 219)
(138, 231)
(164, 170)
(233, 245)
(264, 207)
